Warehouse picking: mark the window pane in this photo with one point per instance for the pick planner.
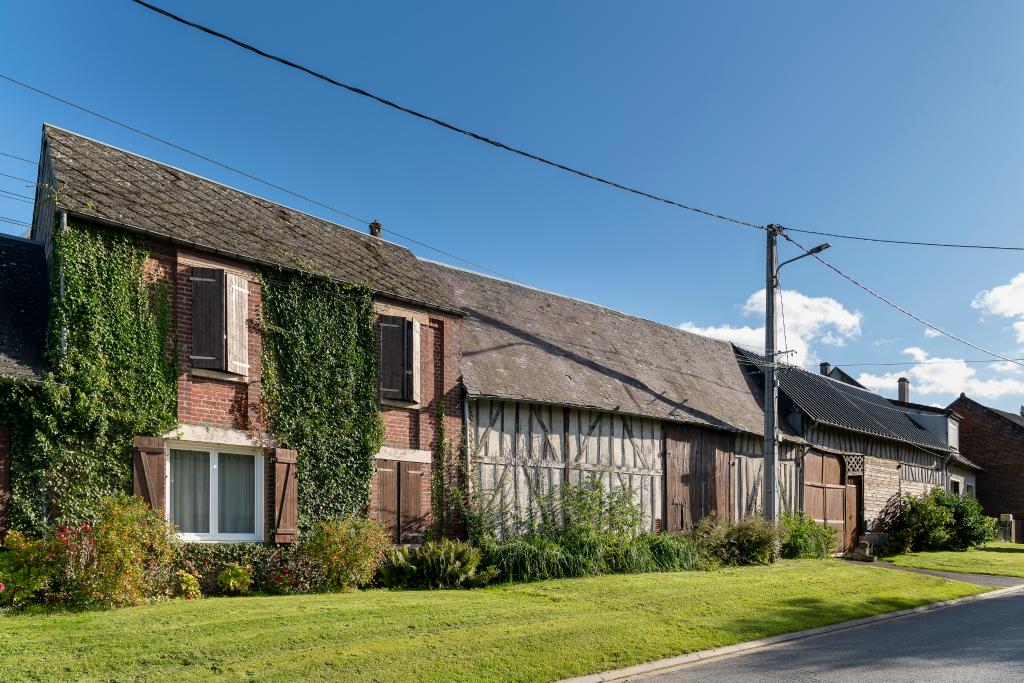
(190, 491)
(236, 494)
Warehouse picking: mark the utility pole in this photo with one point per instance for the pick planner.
(770, 386)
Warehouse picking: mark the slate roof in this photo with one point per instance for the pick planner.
(96, 179)
(24, 307)
(520, 343)
(836, 403)
(959, 459)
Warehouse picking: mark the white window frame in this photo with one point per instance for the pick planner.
(215, 450)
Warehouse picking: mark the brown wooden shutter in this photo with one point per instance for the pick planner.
(149, 471)
(407, 360)
(208, 319)
(392, 357)
(413, 504)
(385, 496)
(286, 497)
(236, 327)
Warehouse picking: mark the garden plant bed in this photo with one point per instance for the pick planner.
(1000, 559)
(537, 632)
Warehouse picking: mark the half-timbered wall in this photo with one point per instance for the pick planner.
(522, 451)
(917, 465)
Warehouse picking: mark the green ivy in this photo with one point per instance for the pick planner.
(320, 388)
(112, 377)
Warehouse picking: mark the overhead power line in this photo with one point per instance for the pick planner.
(15, 221)
(907, 242)
(444, 124)
(14, 177)
(13, 156)
(893, 304)
(522, 152)
(232, 169)
(911, 362)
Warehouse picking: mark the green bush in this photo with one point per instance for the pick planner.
(802, 537)
(678, 553)
(938, 520)
(341, 555)
(436, 564)
(188, 585)
(235, 579)
(207, 560)
(749, 541)
(26, 569)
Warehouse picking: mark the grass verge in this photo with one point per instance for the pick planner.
(1000, 559)
(528, 632)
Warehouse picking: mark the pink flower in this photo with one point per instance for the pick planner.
(2, 587)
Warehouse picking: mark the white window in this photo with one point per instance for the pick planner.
(214, 493)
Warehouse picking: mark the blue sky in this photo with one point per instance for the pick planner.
(884, 119)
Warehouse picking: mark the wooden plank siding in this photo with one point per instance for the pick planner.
(524, 451)
(918, 465)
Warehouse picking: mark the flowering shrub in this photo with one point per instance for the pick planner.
(235, 579)
(284, 580)
(188, 585)
(26, 569)
(343, 554)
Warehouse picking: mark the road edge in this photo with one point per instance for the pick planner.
(683, 661)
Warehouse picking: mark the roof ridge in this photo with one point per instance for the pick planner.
(232, 188)
(19, 238)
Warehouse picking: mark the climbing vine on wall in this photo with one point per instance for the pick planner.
(112, 377)
(320, 387)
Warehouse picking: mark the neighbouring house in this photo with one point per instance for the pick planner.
(559, 389)
(23, 306)
(944, 424)
(994, 439)
(220, 472)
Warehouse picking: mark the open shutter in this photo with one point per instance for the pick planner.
(392, 357)
(408, 342)
(149, 469)
(208, 319)
(237, 292)
(286, 497)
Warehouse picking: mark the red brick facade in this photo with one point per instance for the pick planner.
(218, 400)
(996, 444)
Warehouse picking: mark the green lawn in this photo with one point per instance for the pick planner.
(1002, 559)
(528, 632)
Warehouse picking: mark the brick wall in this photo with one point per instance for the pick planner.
(226, 401)
(996, 444)
(234, 403)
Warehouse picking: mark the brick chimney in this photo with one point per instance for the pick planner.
(376, 228)
(904, 389)
(825, 367)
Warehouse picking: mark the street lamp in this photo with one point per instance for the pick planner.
(771, 389)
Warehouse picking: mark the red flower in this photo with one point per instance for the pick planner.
(86, 528)
(2, 587)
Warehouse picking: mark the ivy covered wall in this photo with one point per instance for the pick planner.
(320, 387)
(112, 377)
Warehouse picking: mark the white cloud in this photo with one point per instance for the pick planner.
(933, 375)
(809, 319)
(1006, 301)
(931, 334)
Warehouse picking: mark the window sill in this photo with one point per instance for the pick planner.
(394, 403)
(207, 373)
(220, 538)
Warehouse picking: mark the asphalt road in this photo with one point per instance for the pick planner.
(976, 641)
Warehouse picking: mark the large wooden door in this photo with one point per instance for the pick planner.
(826, 494)
(698, 474)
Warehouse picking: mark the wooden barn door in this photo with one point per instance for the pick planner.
(826, 495)
(698, 475)
(401, 499)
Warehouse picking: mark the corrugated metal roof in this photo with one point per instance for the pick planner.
(842, 405)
